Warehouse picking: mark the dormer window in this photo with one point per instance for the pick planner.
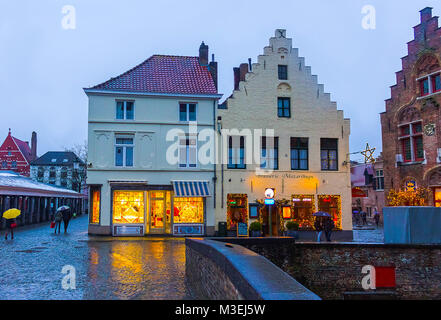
(430, 84)
(54, 160)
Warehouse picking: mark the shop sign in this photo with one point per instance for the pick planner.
(242, 229)
(269, 202)
(270, 193)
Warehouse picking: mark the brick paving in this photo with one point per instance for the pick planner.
(106, 268)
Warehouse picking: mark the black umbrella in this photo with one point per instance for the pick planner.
(321, 214)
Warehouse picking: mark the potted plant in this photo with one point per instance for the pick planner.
(292, 229)
(256, 229)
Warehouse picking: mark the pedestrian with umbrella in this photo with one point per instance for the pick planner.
(328, 227)
(66, 212)
(9, 216)
(319, 223)
(57, 219)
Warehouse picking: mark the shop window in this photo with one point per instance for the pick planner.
(236, 152)
(332, 205)
(269, 157)
(188, 150)
(237, 210)
(299, 153)
(437, 197)
(188, 210)
(125, 110)
(187, 112)
(284, 107)
(286, 212)
(303, 206)
(95, 205)
(124, 152)
(411, 139)
(329, 154)
(283, 72)
(128, 207)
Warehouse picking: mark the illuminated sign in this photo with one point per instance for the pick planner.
(269, 201)
(270, 193)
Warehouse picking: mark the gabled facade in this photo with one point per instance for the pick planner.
(306, 162)
(411, 123)
(143, 169)
(61, 168)
(16, 155)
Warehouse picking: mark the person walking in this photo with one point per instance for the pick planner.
(10, 225)
(66, 218)
(318, 227)
(58, 219)
(376, 217)
(328, 226)
(364, 217)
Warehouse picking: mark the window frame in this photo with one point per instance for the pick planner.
(328, 158)
(410, 136)
(124, 110)
(280, 72)
(299, 148)
(283, 108)
(431, 84)
(187, 111)
(125, 146)
(379, 177)
(96, 188)
(240, 165)
(187, 164)
(267, 158)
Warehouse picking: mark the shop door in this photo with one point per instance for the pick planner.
(157, 212)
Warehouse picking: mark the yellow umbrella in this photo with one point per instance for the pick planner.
(11, 213)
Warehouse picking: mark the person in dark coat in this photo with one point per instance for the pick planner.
(318, 227)
(328, 226)
(66, 218)
(364, 217)
(376, 217)
(9, 228)
(58, 218)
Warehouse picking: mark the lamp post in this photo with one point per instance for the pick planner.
(269, 200)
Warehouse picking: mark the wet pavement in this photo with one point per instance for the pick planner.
(105, 267)
(369, 234)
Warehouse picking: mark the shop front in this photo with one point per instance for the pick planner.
(177, 209)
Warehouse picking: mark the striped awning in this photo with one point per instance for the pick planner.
(191, 189)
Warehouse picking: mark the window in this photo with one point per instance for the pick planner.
(53, 160)
(332, 205)
(188, 151)
(284, 107)
(269, 157)
(236, 152)
(424, 87)
(125, 110)
(95, 206)
(52, 175)
(379, 179)
(4, 164)
(128, 207)
(302, 210)
(436, 82)
(14, 164)
(328, 154)
(411, 139)
(187, 112)
(430, 84)
(254, 210)
(299, 153)
(124, 152)
(188, 210)
(283, 72)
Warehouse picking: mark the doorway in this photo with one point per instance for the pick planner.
(157, 212)
(270, 221)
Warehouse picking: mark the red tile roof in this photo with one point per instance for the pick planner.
(24, 148)
(164, 74)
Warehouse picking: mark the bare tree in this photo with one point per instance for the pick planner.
(79, 175)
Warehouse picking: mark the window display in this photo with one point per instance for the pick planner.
(237, 210)
(128, 207)
(303, 207)
(188, 210)
(95, 217)
(331, 205)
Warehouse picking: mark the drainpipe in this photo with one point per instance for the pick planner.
(215, 157)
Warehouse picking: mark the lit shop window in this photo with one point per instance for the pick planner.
(128, 207)
(331, 205)
(237, 210)
(286, 212)
(95, 217)
(188, 210)
(437, 196)
(303, 208)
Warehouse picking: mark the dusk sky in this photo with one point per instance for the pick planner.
(44, 67)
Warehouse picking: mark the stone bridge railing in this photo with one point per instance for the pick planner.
(218, 270)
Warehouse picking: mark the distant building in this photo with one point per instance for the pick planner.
(60, 168)
(367, 182)
(16, 155)
(411, 123)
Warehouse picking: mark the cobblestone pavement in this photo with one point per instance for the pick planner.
(372, 235)
(106, 268)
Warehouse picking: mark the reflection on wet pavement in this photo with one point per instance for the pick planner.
(106, 268)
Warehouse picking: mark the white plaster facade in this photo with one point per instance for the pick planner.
(313, 115)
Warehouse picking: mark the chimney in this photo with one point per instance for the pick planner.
(250, 65)
(426, 14)
(243, 71)
(203, 54)
(34, 146)
(236, 72)
(213, 70)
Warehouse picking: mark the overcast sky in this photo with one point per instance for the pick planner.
(44, 67)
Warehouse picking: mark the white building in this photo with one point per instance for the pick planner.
(135, 189)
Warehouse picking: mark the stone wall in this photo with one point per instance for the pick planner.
(332, 269)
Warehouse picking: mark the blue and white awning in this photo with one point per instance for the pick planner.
(191, 188)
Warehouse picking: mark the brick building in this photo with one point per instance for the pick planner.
(411, 123)
(16, 155)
